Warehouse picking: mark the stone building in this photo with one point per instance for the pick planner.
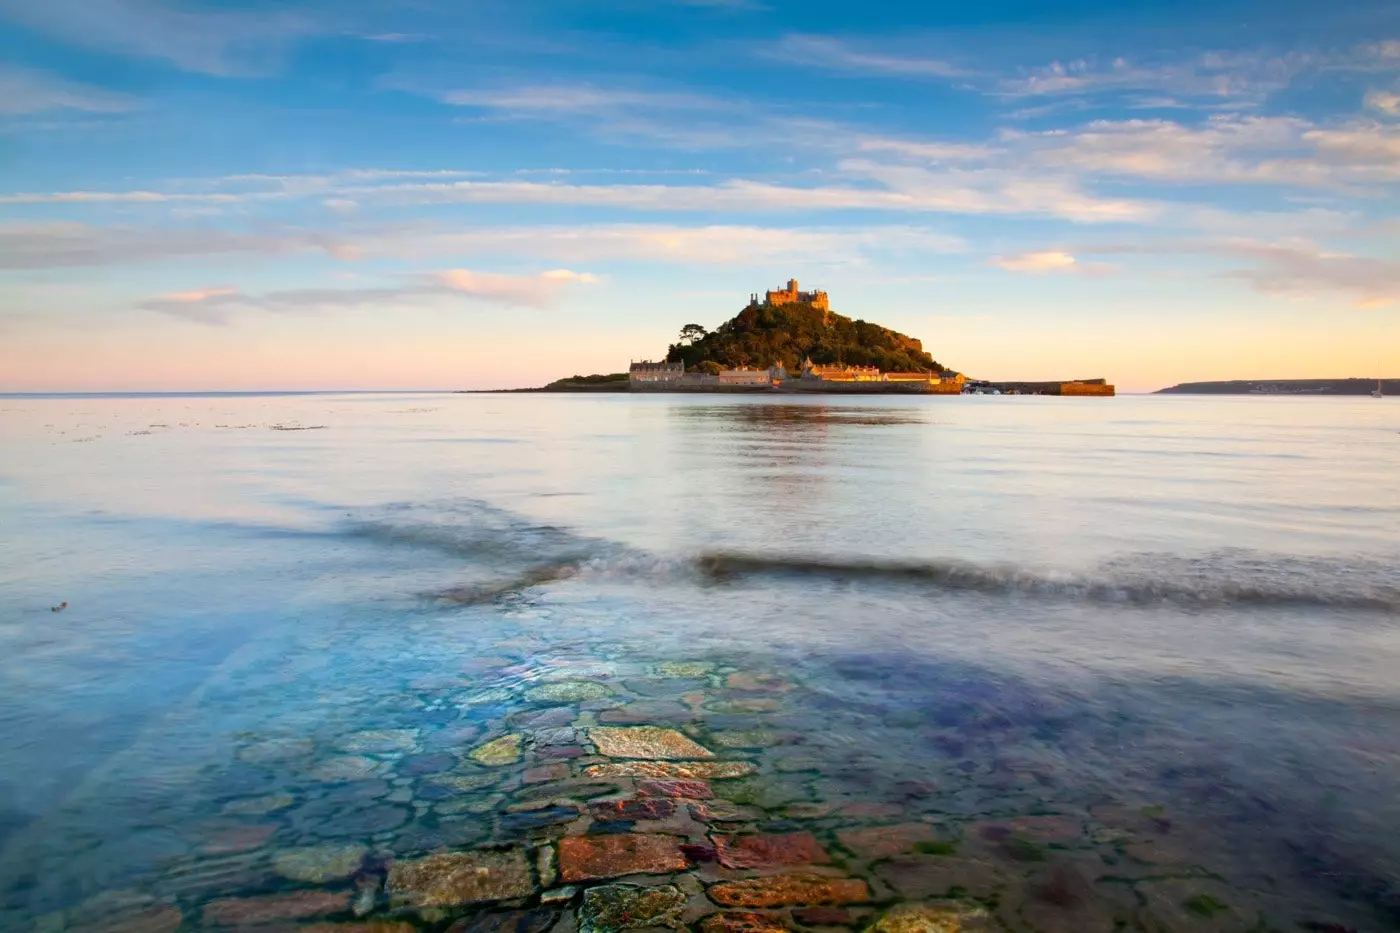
(793, 295)
(753, 377)
(647, 372)
(839, 372)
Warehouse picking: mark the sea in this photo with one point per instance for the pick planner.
(511, 663)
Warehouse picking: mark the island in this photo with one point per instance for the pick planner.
(1348, 386)
(790, 341)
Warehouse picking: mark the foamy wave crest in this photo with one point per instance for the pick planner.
(1227, 578)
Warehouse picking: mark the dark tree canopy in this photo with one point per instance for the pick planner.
(760, 336)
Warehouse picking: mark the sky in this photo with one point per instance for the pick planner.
(431, 194)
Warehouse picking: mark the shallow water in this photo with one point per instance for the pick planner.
(1075, 664)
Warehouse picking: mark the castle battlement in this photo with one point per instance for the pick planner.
(793, 295)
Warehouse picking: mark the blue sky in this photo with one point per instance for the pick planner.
(441, 194)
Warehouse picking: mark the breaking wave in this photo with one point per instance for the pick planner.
(1223, 579)
(508, 553)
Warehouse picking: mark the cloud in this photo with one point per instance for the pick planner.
(930, 151)
(72, 245)
(209, 41)
(1386, 102)
(219, 305)
(1302, 269)
(1036, 263)
(578, 99)
(675, 119)
(25, 91)
(833, 54)
(69, 245)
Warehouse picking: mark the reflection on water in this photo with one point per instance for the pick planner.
(739, 666)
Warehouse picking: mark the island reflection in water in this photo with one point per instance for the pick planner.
(737, 665)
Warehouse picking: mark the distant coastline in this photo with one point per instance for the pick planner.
(1328, 387)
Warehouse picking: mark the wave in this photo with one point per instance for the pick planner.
(509, 553)
(1223, 579)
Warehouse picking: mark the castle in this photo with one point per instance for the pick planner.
(792, 295)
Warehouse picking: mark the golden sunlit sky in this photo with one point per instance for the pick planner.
(303, 195)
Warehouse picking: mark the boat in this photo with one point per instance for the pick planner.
(1376, 392)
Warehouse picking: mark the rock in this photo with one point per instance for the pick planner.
(161, 918)
(755, 682)
(560, 895)
(379, 741)
(545, 868)
(568, 691)
(454, 879)
(647, 711)
(786, 890)
(822, 916)
(257, 806)
(497, 752)
(613, 907)
(722, 811)
(748, 738)
(917, 876)
(275, 750)
(465, 783)
(432, 763)
(690, 790)
(364, 926)
(528, 820)
(682, 770)
(445, 833)
(544, 773)
(554, 735)
(950, 917)
(346, 768)
(234, 839)
(741, 922)
(555, 717)
(665, 688)
(560, 751)
(748, 705)
(650, 742)
(683, 668)
(807, 810)
(584, 858)
(537, 920)
(769, 851)
(649, 808)
(298, 905)
(319, 864)
(884, 841)
(870, 810)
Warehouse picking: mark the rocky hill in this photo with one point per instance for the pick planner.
(761, 335)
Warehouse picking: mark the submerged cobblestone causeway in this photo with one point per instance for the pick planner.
(501, 798)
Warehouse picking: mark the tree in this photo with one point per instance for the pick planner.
(692, 334)
(708, 367)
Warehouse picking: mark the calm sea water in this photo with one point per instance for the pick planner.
(1076, 664)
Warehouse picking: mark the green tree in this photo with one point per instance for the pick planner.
(692, 334)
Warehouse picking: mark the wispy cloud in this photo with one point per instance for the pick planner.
(1386, 102)
(897, 188)
(193, 38)
(835, 54)
(72, 245)
(1306, 270)
(218, 305)
(60, 245)
(1036, 263)
(26, 91)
